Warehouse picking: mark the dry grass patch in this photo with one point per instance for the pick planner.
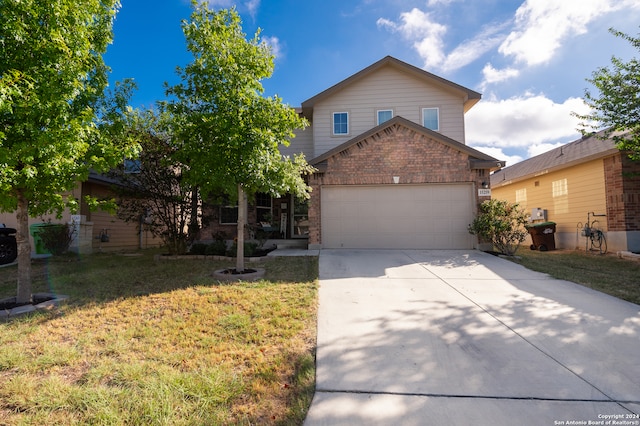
(144, 342)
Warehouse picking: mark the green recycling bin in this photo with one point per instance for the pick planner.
(542, 235)
(34, 230)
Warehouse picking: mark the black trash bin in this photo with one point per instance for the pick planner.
(542, 235)
(8, 246)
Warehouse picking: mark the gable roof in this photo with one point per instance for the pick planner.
(470, 97)
(478, 159)
(585, 149)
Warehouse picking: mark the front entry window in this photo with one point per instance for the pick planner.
(264, 208)
(300, 218)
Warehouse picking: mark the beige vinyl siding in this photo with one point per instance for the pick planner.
(585, 193)
(122, 235)
(387, 88)
(302, 143)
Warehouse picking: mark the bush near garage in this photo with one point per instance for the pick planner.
(502, 224)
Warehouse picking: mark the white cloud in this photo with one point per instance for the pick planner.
(275, 46)
(540, 148)
(522, 121)
(426, 35)
(252, 6)
(472, 49)
(541, 26)
(492, 75)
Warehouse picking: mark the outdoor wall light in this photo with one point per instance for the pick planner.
(396, 179)
(485, 185)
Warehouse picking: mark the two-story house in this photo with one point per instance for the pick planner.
(393, 167)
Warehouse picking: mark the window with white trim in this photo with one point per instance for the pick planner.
(430, 118)
(384, 115)
(340, 123)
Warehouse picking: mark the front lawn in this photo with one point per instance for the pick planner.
(144, 342)
(606, 273)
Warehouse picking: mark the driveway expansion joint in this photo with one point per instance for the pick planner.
(467, 396)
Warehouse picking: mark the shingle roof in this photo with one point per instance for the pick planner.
(576, 152)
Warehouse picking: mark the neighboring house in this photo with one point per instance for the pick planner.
(589, 175)
(94, 230)
(393, 167)
(109, 233)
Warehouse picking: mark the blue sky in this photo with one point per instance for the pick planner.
(530, 59)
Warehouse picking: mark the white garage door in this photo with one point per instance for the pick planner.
(433, 216)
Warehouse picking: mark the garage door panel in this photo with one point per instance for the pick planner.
(397, 216)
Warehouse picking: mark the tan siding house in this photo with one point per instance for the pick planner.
(94, 230)
(393, 167)
(109, 233)
(584, 176)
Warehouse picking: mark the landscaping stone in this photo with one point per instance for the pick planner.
(42, 301)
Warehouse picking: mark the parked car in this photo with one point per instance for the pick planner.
(8, 246)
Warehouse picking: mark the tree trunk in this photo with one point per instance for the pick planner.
(24, 251)
(242, 220)
(194, 226)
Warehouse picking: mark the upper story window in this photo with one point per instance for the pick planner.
(384, 115)
(340, 123)
(430, 118)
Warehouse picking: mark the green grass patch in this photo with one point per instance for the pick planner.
(606, 273)
(144, 342)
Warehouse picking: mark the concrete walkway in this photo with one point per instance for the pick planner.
(466, 338)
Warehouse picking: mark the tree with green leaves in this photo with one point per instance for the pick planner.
(229, 132)
(55, 123)
(151, 190)
(502, 224)
(616, 105)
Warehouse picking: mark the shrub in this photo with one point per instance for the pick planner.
(217, 248)
(502, 224)
(56, 238)
(198, 249)
(249, 249)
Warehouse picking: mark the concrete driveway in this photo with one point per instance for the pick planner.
(465, 338)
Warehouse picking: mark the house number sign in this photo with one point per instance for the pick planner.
(482, 192)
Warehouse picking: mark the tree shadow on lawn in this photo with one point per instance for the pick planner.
(104, 277)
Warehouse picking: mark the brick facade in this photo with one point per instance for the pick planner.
(413, 156)
(622, 182)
